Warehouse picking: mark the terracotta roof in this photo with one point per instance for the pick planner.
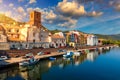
(57, 36)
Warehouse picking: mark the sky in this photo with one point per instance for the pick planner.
(90, 16)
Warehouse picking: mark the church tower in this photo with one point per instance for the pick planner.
(35, 19)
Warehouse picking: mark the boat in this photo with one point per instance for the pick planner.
(30, 61)
(52, 58)
(3, 58)
(40, 53)
(68, 54)
(77, 53)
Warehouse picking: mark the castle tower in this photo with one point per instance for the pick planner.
(35, 18)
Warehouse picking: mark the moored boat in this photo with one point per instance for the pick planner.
(52, 58)
(77, 53)
(30, 61)
(68, 54)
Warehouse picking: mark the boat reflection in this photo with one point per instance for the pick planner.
(35, 72)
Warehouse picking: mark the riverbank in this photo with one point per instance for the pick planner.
(53, 53)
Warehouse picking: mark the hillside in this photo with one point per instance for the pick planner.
(111, 37)
(8, 20)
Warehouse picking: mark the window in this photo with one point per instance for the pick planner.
(34, 40)
(17, 31)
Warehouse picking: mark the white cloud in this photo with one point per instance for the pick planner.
(8, 13)
(71, 23)
(29, 9)
(50, 15)
(20, 10)
(32, 1)
(11, 5)
(117, 7)
(1, 1)
(20, 0)
(70, 8)
(94, 14)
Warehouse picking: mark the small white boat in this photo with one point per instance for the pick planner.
(40, 53)
(68, 54)
(3, 58)
(29, 62)
(77, 53)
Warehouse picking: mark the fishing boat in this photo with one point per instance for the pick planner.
(30, 61)
(3, 58)
(77, 53)
(68, 54)
(52, 58)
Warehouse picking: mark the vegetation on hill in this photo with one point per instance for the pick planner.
(8, 20)
(55, 31)
(109, 37)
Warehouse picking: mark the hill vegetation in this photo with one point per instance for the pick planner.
(8, 20)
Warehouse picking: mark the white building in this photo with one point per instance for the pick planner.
(3, 37)
(92, 40)
(45, 36)
(3, 40)
(58, 40)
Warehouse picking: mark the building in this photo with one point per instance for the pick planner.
(35, 19)
(92, 40)
(58, 40)
(3, 39)
(31, 34)
(73, 38)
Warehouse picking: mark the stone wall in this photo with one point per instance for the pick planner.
(26, 45)
(4, 46)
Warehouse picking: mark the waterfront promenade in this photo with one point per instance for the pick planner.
(17, 55)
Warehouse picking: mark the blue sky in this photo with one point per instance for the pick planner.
(91, 16)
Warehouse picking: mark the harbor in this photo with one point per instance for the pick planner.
(90, 64)
(59, 40)
(53, 53)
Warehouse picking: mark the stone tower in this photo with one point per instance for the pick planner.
(35, 19)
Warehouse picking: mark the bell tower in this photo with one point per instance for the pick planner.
(35, 19)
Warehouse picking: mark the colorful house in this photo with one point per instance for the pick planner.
(92, 40)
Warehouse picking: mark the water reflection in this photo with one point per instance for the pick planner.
(92, 56)
(36, 72)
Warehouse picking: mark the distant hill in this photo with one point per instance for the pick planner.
(112, 37)
(8, 20)
(55, 31)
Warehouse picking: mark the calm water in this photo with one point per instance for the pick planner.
(103, 65)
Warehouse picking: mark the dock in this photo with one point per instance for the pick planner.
(54, 53)
(19, 59)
